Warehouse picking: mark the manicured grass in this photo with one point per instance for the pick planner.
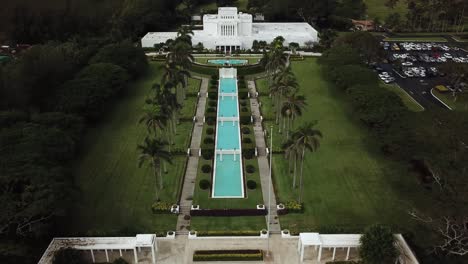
(189, 107)
(459, 103)
(417, 39)
(113, 193)
(348, 181)
(405, 97)
(377, 8)
(193, 86)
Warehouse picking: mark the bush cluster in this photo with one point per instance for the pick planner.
(206, 168)
(250, 168)
(210, 131)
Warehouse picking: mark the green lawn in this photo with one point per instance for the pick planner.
(405, 97)
(377, 8)
(238, 223)
(113, 193)
(189, 107)
(459, 103)
(348, 182)
(193, 86)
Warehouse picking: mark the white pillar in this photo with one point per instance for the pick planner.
(107, 255)
(320, 253)
(299, 245)
(347, 254)
(120, 252)
(135, 255)
(302, 253)
(334, 252)
(153, 255)
(92, 256)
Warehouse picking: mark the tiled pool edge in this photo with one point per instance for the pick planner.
(234, 152)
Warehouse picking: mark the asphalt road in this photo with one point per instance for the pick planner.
(420, 88)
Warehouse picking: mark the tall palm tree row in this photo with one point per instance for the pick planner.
(306, 139)
(284, 84)
(292, 107)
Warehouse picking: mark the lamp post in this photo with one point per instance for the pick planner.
(269, 192)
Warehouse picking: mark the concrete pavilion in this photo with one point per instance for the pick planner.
(230, 30)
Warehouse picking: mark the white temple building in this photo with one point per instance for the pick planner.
(230, 30)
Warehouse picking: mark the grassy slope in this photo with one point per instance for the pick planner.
(460, 103)
(405, 97)
(347, 182)
(377, 8)
(115, 193)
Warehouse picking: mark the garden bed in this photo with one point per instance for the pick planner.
(228, 255)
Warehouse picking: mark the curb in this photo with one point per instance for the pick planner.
(414, 100)
(433, 95)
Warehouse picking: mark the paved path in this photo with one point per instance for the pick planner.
(192, 165)
(263, 163)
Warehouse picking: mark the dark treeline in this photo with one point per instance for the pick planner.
(432, 143)
(32, 22)
(320, 13)
(48, 97)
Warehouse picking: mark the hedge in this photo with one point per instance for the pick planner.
(241, 70)
(228, 233)
(228, 212)
(228, 255)
(345, 262)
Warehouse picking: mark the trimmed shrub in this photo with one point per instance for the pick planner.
(209, 131)
(214, 77)
(206, 168)
(212, 103)
(227, 233)
(250, 168)
(245, 130)
(244, 109)
(210, 120)
(120, 261)
(211, 110)
(204, 184)
(161, 207)
(248, 153)
(208, 140)
(213, 82)
(246, 140)
(213, 95)
(244, 119)
(252, 185)
(228, 255)
(243, 103)
(207, 154)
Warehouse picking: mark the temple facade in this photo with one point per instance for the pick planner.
(230, 30)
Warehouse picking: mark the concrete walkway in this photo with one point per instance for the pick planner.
(192, 165)
(263, 163)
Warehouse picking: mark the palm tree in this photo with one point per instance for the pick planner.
(154, 151)
(308, 139)
(185, 33)
(178, 78)
(292, 108)
(291, 151)
(154, 119)
(284, 83)
(181, 54)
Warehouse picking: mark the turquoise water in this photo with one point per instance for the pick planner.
(228, 85)
(228, 181)
(227, 107)
(228, 135)
(228, 62)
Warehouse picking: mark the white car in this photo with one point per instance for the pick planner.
(448, 55)
(407, 63)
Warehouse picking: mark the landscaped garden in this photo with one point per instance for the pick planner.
(115, 194)
(348, 183)
(458, 102)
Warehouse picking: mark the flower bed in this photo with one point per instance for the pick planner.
(161, 207)
(228, 255)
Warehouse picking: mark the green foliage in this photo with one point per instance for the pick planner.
(120, 261)
(204, 184)
(125, 55)
(228, 233)
(161, 207)
(228, 257)
(378, 245)
(294, 206)
(252, 185)
(68, 256)
(87, 94)
(366, 45)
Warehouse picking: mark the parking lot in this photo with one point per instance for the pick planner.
(415, 67)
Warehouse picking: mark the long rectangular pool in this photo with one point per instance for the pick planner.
(228, 180)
